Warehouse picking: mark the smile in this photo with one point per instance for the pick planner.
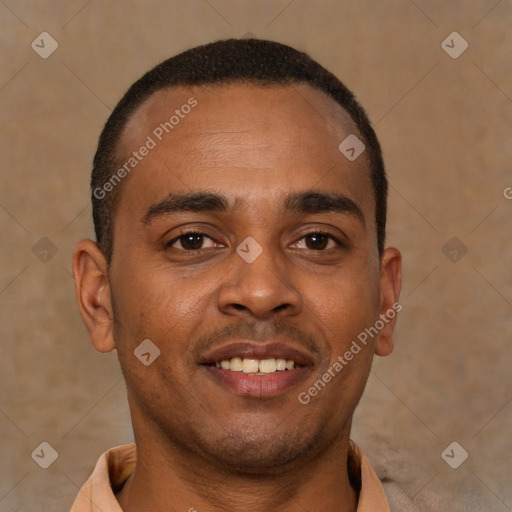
(256, 366)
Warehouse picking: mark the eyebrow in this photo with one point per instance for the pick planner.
(307, 202)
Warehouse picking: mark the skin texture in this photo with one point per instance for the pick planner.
(200, 444)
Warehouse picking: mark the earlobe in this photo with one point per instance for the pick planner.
(90, 271)
(390, 286)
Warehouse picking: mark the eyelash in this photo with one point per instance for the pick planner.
(338, 242)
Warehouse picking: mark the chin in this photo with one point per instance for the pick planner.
(258, 452)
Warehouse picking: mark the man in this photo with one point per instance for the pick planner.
(239, 201)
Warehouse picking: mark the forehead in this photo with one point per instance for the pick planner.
(241, 139)
(295, 111)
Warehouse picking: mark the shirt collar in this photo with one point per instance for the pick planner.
(115, 466)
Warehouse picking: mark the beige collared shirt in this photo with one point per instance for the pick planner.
(115, 466)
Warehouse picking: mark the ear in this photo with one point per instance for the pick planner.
(390, 285)
(90, 270)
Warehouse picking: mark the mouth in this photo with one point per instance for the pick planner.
(257, 370)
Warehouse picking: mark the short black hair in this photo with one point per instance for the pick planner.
(249, 61)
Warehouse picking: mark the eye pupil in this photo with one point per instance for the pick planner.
(315, 238)
(192, 241)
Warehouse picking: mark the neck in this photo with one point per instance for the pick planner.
(166, 479)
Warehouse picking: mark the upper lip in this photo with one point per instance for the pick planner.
(257, 350)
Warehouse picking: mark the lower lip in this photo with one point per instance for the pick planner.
(268, 385)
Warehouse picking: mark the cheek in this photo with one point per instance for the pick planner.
(151, 305)
(159, 304)
(345, 304)
(354, 308)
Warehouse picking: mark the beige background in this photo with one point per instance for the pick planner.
(445, 126)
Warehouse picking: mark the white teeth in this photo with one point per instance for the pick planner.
(234, 365)
(281, 364)
(268, 365)
(250, 365)
(271, 365)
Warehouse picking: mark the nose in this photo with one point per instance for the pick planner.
(261, 288)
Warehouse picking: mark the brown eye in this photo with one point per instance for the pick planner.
(191, 241)
(319, 241)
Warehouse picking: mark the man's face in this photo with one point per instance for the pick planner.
(211, 296)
